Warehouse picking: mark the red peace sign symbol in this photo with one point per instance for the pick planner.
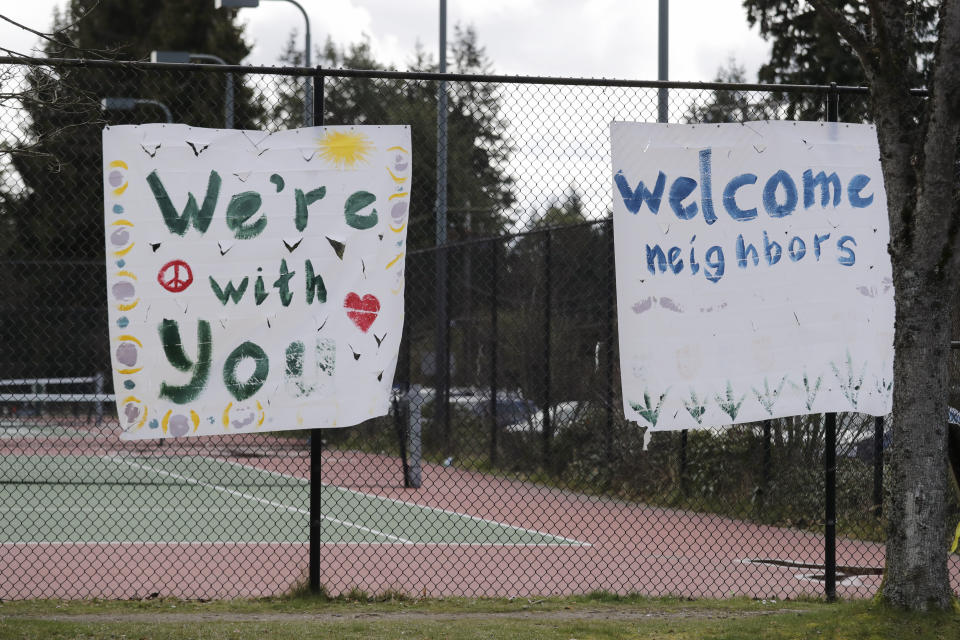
(175, 276)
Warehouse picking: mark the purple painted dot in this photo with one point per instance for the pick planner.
(242, 418)
(179, 425)
(120, 237)
(115, 178)
(398, 211)
(127, 354)
(117, 208)
(123, 291)
(400, 163)
(131, 412)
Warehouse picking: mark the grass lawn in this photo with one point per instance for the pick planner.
(358, 616)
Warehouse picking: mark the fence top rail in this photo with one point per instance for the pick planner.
(428, 75)
(19, 382)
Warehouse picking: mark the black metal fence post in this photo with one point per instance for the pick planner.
(830, 520)
(547, 304)
(765, 465)
(830, 446)
(611, 352)
(494, 303)
(878, 466)
(683, 462)
(316, 442)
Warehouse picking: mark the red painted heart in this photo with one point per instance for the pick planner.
(362, 311)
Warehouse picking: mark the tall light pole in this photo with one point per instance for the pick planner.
(663, 112)
(184, 57)
(308, 87)
(442, 357)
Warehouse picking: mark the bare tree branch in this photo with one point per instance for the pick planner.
(62, 40)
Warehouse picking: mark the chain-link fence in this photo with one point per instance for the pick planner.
(505, 467)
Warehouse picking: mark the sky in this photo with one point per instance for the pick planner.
(569, 38)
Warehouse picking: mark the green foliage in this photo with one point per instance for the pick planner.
(51, 197)
(805, 49)
(479, 190)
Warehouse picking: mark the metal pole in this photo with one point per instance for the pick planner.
(316, 445)
(830, 528)
(765, 467)
(442, 358)
(683, 462)
(878, 466)
(494, 300)
(308, 110)
(830, 452)
(611, 319)
(547, 300)
(663, 50)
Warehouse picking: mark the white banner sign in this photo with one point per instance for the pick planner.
(753, 279)
(254, 279)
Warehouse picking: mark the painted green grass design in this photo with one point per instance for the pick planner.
(850, 384)
(649, 411)
(769, 396)
(810, 391)
(730, 406)
(696, 407)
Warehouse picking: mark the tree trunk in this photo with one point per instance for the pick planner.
(916, 572)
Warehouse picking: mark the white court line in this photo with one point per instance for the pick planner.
(420, 506)
(187, 543)
(110, 510)
(247, 496)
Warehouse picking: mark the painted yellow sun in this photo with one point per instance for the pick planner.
(344, 149)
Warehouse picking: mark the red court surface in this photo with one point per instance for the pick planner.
(624, 547)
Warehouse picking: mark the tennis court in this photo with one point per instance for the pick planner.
(94, 499)
(228, 517)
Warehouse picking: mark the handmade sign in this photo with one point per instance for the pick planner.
(254, 279)
(753, 279)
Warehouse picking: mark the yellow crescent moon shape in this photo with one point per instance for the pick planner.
(402, 194)
(226, 416)
(195, 419)
(394, 261)
(129, 338)
(397, 149)
(396, 179)
(125, 274)
(398, 230)
(166, 419)
(122, 223)
(118, 163)
(262, 414)
(127, 307)
(123, 252)
(119, 190)
(396, 291)
(127, 372)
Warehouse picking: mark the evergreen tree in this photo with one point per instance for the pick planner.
(807, 50)
(51, 207)
(479, 190)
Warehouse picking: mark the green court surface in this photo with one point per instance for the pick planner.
(193, 499)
